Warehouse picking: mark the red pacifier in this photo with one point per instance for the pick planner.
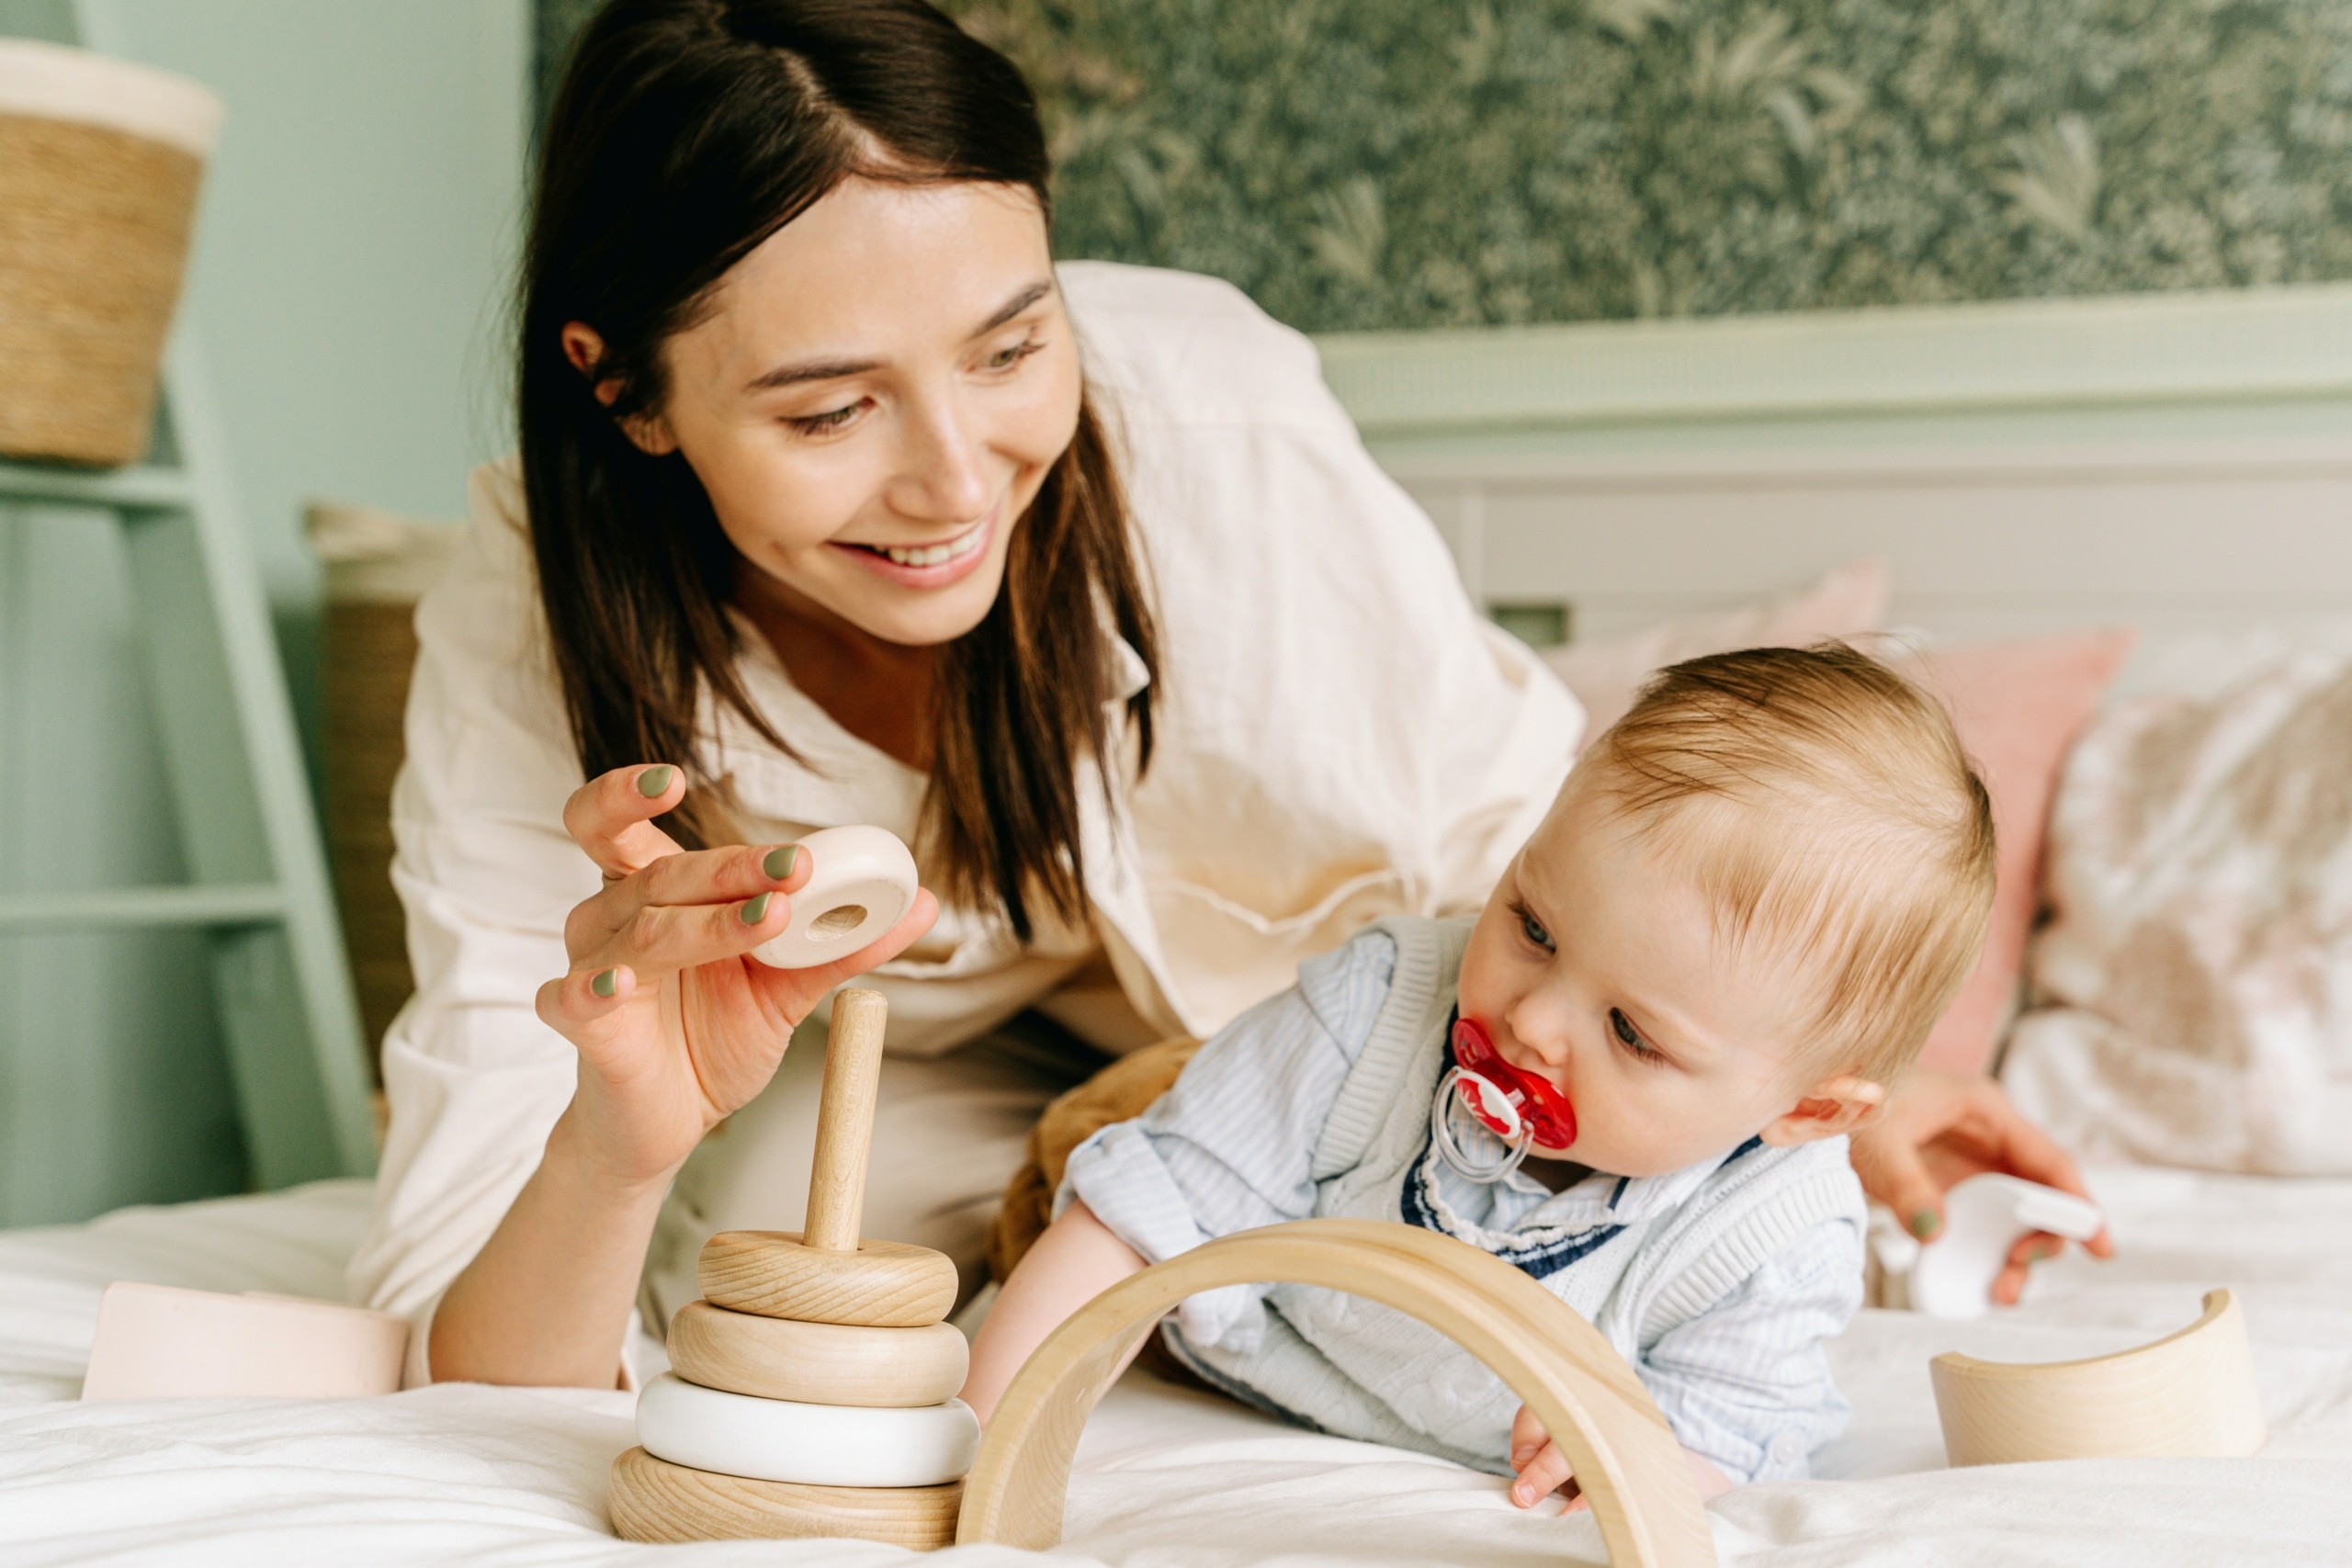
(1508, 1101)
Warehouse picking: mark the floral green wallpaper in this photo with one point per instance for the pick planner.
(1364, 163)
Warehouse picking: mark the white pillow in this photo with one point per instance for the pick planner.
(2193, 986)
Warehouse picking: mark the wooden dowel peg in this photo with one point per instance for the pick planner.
(845, 1120)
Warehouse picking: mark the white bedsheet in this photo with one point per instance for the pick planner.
(474, 1475)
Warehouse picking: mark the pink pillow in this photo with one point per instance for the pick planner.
(2018, 707)
(1605, 675)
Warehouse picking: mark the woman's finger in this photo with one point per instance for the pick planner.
(1888, 1162)
(660, 938)
(1541, 1476)
(574, 1004)
(611, 816)
(729, 875)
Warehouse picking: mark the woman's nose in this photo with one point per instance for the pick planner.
(944, 476)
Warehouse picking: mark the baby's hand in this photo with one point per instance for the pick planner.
(1541, 1467)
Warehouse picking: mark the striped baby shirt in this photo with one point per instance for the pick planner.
(1718, 1283)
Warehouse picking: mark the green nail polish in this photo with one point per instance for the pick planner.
(779, 863)
(757, 910)
(605, 984)
(654, 782)
(1925, 1224)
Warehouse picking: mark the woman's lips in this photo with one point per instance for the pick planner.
(965, 551)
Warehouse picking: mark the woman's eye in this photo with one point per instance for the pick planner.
(1006, 358)
(1535, 931)
(1628, 1036)
(818, 423)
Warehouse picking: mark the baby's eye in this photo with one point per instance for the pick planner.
(1630, 1037)
(1532, 929)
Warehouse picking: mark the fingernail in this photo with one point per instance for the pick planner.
(606, 983)
(655, 783)
(1519, 1495)
(757, 910)
(1926, 1223)
(779, 862)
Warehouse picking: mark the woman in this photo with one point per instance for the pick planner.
(819, 518)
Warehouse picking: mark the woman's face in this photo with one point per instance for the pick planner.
(874, 397)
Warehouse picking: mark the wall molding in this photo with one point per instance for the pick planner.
(2133, 352)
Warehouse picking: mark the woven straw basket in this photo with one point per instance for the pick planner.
(99, 163)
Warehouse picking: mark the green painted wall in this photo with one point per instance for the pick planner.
(354, 249)
(1377, 163)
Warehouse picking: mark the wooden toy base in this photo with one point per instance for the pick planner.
(654, 1500)
(883, 1284)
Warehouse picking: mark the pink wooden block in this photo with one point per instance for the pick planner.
(162, 1342)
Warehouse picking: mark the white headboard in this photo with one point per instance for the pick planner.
(2178, 461)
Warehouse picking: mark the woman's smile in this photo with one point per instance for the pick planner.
(931, 565)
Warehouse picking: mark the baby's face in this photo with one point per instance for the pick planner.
(1598, 967)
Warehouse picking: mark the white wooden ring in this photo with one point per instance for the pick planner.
(817, 1363)
(861, 881)
(813, 1445)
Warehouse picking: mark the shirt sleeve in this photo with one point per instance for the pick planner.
(486, 876)
(1746, 1382)
(1231, 1145)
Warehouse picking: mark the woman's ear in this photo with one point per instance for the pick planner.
(1832, 1106)
(649, 431)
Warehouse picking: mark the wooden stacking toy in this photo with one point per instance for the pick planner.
(813, 1390)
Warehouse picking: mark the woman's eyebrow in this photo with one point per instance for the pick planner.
(1015, 305)
(809, 370)
(834, 369)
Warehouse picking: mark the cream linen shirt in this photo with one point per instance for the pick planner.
(1341, 736)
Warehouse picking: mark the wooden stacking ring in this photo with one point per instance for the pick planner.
(883, 1284)
(654, 1500)
(816, 1363)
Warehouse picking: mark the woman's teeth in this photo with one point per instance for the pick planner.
(932, 555)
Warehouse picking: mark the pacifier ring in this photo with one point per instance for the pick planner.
(1451, 1152)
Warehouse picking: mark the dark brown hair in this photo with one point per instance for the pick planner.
(685, 133)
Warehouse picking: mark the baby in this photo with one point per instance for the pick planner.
(1630, 1077)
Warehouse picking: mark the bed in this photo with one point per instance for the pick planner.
(471, 1474)
(2183, 464)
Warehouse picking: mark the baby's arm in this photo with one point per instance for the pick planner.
(1077, 1260)
(1543, 1469)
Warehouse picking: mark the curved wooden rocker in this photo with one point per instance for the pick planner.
(1625, 1456)
(2189, 1393)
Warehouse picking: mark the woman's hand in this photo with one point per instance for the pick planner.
(676, 1024)
(1941, 1128)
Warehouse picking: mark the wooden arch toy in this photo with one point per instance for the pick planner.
(1625, 1456)
(2190, 1392)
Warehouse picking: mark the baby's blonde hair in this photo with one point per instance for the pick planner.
(1825, 807)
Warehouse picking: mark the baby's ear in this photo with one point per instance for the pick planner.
(1830, 1107)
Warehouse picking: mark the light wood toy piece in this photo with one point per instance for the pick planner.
(817, 1363)
(2190, 1394)
(654, 1500)
(1623, 1451)
(819, 1318)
